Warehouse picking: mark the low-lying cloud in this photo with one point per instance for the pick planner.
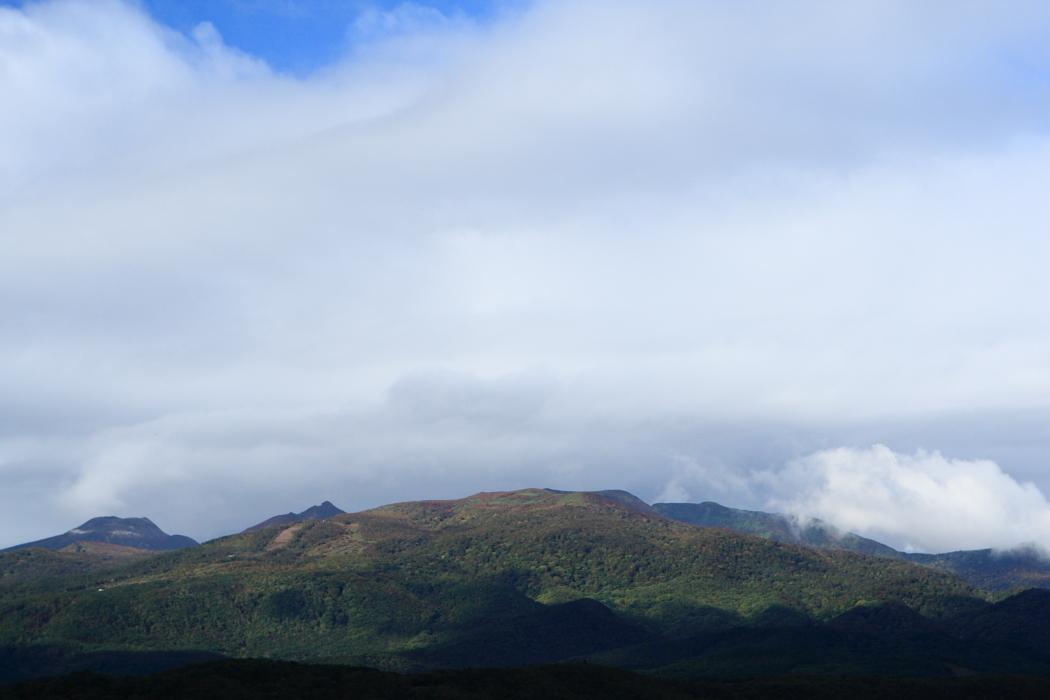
(922, 501)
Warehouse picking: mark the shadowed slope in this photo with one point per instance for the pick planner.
(431, 582)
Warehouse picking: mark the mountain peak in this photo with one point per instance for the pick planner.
(319, 512)
(325, 510)
(140, 533)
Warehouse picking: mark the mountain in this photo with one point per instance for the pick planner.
(529, 576)
(138, 533)
(987, 569)
(320, 512)
(993, 570)
(774, 526)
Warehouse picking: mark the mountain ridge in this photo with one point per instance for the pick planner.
(521, 577)
(385, 584)
(993, 570)
(323, 510)
(984, 568)
(776, 526)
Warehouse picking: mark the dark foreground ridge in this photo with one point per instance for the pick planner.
(262, 680)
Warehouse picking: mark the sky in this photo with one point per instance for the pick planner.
(790, 256)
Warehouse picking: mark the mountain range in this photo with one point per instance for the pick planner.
(516, 578)
(106, 538)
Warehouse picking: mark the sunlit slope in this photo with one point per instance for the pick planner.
(773, 526)
(37, 568)
(412, 583)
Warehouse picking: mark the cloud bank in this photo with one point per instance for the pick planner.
(584, 244)
(923, 501)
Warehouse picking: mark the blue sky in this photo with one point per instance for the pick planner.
(772, 254)
(295, 36)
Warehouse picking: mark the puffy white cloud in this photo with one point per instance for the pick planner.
(567, 246)
(922, 501)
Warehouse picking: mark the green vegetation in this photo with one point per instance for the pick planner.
(773, 526)
(1007, 571)
(37, 569)
(419, 585)
(500, 579)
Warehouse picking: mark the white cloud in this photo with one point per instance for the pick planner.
(661, 221)
(404, 19)
(922, 501)
(694, 480)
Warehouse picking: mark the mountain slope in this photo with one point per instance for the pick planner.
(990, 569)
(774, 526)
(37, 569)
(984, 568)
(140, 533)
(624, 498)
(318, 512)
(418, 584)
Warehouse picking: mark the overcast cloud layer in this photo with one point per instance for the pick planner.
(699, 250)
